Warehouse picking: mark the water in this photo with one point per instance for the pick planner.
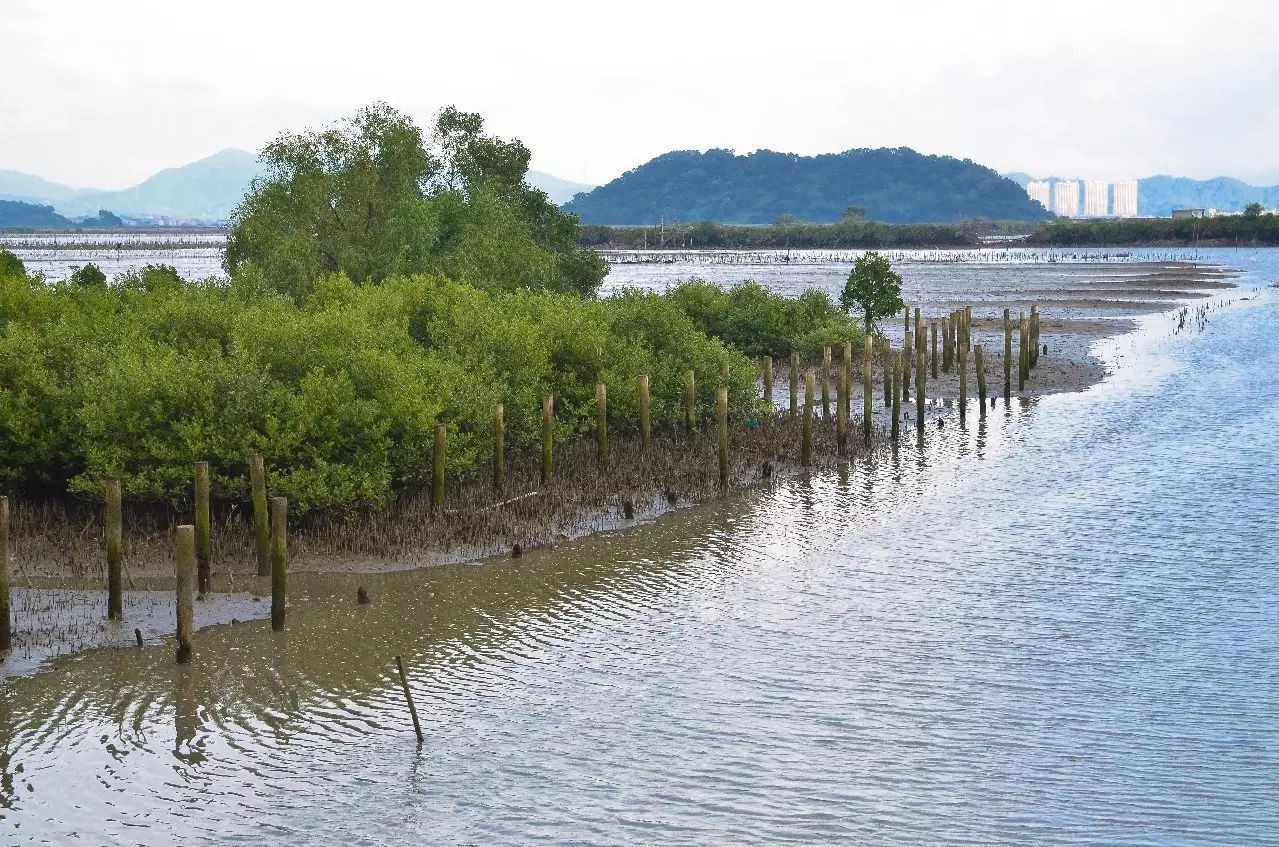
(1057, 627)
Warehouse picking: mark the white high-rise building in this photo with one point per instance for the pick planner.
(1096, 198)
(1126, 198)
(1066, 198)
(1041, 191)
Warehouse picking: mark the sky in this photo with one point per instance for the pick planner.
(105, 94)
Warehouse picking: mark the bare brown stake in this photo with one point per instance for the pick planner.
(408, 696)
(932, 327)
(886, 356)
(907, 358)
(113, 520)
(897, 395)
(962, 358)
(794, 383)
(947, 343)
(806, 438)
(847, 366)
(868, 390)
(548, 436)
(841, 412)
(919, 390)
(203, 530)
(499, 448)
(980, 364)
(721, 420)
(601, 424)
(438, 456)
(1021, 353)
(826, 383)
(184, 566)
(279, 560)
(6, 600)
(261, 520)
(1008, 357)
(646, 421)
(1034, 337)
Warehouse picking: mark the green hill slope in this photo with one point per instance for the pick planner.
(894, 185)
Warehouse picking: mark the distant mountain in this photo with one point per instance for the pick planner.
(559, 190)
(895, 185)
(26, 188)
(14, 213)
(1158, 195)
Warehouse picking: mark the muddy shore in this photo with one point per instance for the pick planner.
(59, 573)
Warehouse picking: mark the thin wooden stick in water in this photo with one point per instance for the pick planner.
(261, 519)
(408, 695)
(897, 394)
(981, 377)
(203, 530)
(721, 420)
(794, 383)
(115, 549)
(806, 438)
(185, 572)
(279, 560)
(1008, 357)
(868, 389)
(826, 383)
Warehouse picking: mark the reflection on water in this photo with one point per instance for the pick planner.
(1054, 625)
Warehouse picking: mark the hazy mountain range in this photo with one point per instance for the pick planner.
(206, 190)
(895, 185)
(1158, 195)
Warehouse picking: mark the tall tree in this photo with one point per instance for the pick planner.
(873, 289)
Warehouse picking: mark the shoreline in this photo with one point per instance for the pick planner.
(60, 588)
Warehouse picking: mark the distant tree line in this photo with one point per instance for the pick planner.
(850, 233)
(1252, 228)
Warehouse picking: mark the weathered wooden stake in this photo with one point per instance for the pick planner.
(806, 442)
(980, 363)
(437, 471)
(868, 389)
(908, 356)
(645, 422)
(6, 601)
(261, 520)
(962, 360)
(203, 530)
(1021, 352)
(847, 366)
(920, 376)
(841, 411)
(115, 549)
(897, 394)
(1008, 357)
(1034, 337)
(886, 353)
(185, 572)
(826, 383)
(408, 695)
(723, 373)
(690, 401)
(932, 331)
(601, 424)
(279, 560)
(721, 420)
(794, 383)
(499, 448)
(919, 327)
(947, 327)
(768, 385)
(548, 435)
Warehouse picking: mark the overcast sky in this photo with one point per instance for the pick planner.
(92, 94)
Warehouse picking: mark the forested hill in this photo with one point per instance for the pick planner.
(894, 185)
(17, 214)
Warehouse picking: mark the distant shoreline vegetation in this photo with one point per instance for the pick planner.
(707, 235)
(1252, 229)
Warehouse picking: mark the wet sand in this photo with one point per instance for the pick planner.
(59, 603)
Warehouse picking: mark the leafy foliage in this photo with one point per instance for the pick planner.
(1122, 232)
(11, 265)
(373, 198)
(88, 275)
(895, 185)
(873, 289)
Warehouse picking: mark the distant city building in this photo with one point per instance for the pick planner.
(1066, 198)
(1096, 199)
(1126, 199)
(1041, 191)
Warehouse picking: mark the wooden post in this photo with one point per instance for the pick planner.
(185, 571)
(768, 385)
(279, 560)
(548, 435)
(794, 383)
(962, 360)
(806, 443)
(408, 695)
(919, 327)
(499, 448)
(203, 530)
(437, 472)
(920, 376)
(947, 327)
(721, 419)
(868, 389)
(981, 377)
(968, 327)
(908, 356)
(723, 373)
(932, 331)
(826, 358)
(886, 353)
(1021, 352)
(114, 527)
(906, 322)
(897, 395)
(690, 401)
(1034, 336)
(847, 366)
(1008, 357)
(601, 424)
(841, 412)
(6, 601)
(646, 422)
(261, 520)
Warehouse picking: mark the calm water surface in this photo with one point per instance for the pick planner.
(1059, 626)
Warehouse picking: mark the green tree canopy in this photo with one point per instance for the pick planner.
(11, 265)
(1253, 210)
(373, 197)
(873, 289)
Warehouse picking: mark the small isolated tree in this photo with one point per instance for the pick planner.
(89, 275)
(1253, 210)
(873, 289)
